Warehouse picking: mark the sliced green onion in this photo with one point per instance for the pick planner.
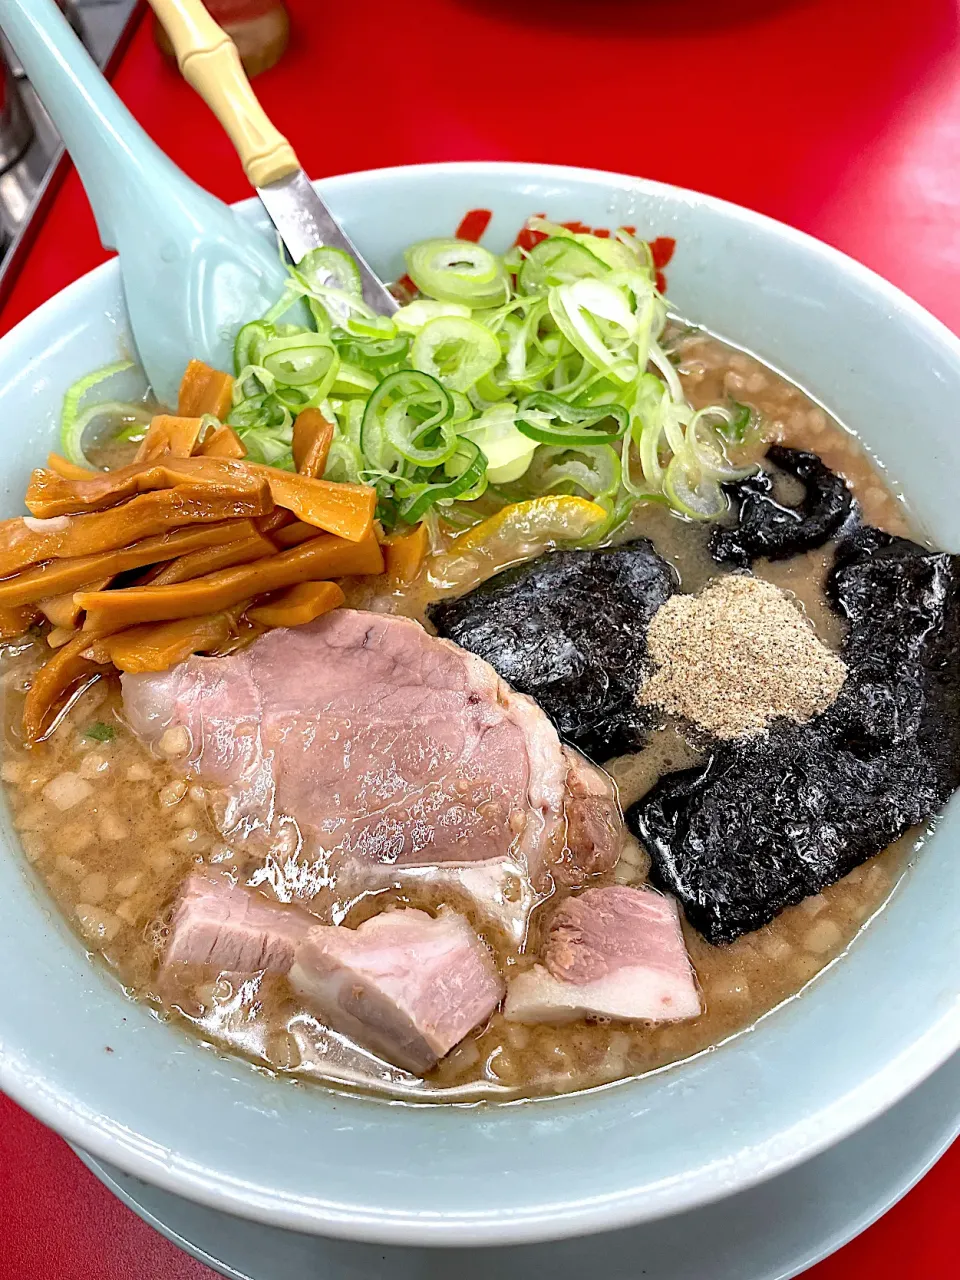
(507, 450)
(621, 253)
(300, 360)
(268, 447)
(73, 423)
(558, 260)
(699, 498)
(737, 422)
(288, 302)
(352, 381)
(549, 420)
(129, 421)
(640, 250)
(99, 731)
(630, 487)
(649, 448)
(381, 356)
(408, 419)
(375, 328)
(462, 408)
(330, 281)
(260, 411)
(252, 381)
(593, 471)
(542, 386)
(330, 267)
(596, 319)
(487, 392)
(530, 357)
(675, 416)
(249, 342)
(458, 271)
(417, 498)
(349, 418)
(345, 462)
(412, 317)
(455, 351)
(707, 447)
(669, 374)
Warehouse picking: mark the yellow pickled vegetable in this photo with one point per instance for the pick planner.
(204, 390)
(297, 605)
(68, 575)
(324, 556)
(312, 438)
(404, 553)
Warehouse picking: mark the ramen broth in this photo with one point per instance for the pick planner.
(113, 829)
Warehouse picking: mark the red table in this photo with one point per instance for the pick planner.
(841, 117)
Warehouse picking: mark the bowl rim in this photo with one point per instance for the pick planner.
(557, 1220)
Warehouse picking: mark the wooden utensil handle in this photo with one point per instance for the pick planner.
(209, 61)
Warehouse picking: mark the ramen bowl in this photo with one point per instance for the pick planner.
(109, 1076)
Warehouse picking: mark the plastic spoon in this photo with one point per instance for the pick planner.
(208, 59)
(193, 271)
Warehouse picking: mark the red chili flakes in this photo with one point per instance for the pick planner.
(662, 250)
(408, 287)
(527, 237)
(474, 224)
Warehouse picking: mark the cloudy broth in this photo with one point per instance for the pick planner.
(112, 829)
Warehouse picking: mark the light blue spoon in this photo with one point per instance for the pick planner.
(193, 271)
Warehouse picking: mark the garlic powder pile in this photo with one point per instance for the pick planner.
(736, 657)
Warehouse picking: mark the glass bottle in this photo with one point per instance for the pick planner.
(260, 29)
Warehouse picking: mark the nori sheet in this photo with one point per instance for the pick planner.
(769, 821)
(569, 629)
(766, 527)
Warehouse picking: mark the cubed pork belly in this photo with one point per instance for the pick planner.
(404, 984)
(395, 752)
(595, 832)
(233, 929)
(611, 952)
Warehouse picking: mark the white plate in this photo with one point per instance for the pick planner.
(771, 1232)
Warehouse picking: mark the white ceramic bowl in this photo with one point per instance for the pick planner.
(214, 1129)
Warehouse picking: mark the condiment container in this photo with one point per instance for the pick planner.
(259, 28)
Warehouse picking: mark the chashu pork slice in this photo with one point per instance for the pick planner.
(404, 984)
(233, 929)
(611, 952)
(400, 755)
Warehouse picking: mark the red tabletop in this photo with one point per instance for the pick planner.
(841, 117)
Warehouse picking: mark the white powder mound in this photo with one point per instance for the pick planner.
(738, 656)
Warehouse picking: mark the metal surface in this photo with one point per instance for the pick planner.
(304, 222)
(16, 128)
(192, 271)
(31, 176)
